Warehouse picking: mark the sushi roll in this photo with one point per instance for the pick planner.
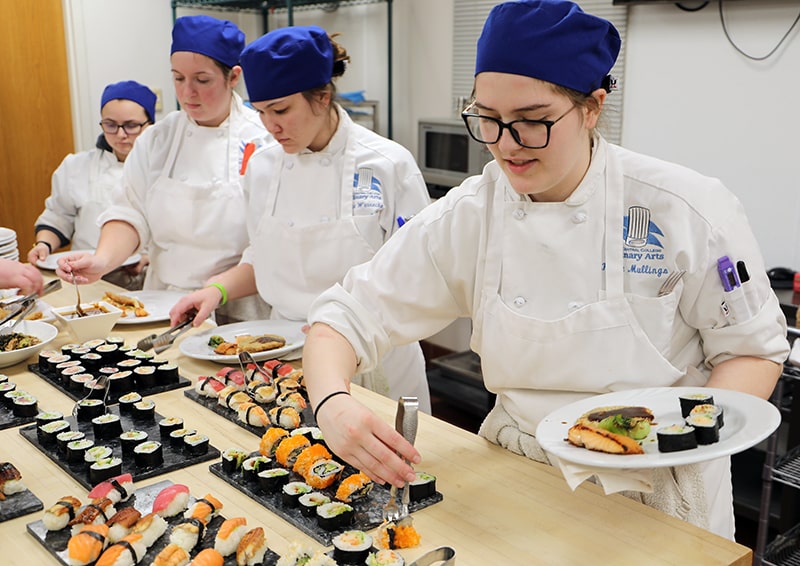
(252, 548)
(323, 473)
(312, 433)
(397, 535)
(187, 534)
(308, 502)
(79, 351)
(158, 362)
(262, 392)
(167, 374)
(285, 417)
(96, 453)
(273, 479)
(270, 440)
(689, 400)
(68, 373)
(196, 444)
(58, 516)
(171, 555)
(130, 438)
(47, 433)
(714, 411)
(423, 486)
(204, 509)
(145, 377)
(676, 437)
(168, 424)
(207, 557)
(104, 469)
(121, 523)
(291, 492)
(252, 414)
(148, 454)
(95, 388)
(109, 353)
(706, 428)
(90, 408)
(127, 401)
(297, 555)
(125, 552)
(151, 527)
(351, 547)
(292, 399)
(91, 361)
(385, 557)
(229, 534)
(171, 500)
(129, 364)
(77, 381)
(86, 546)
(25, 406)
(144, 410)
(44, 418)
(6, 387)
(146, 358)
(176, 437)
(64, 438)
(354, 487)
(10, 480)
(251, 466)
(232, 459)
(76, 450)
(334, 515)
(95, 513)
(44, 357)
(107, 426)
(118, 340)
(93, 344)
(308, 457)
(120, 382)
(208, 386)
(53, 361)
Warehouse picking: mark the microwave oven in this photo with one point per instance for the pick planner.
(448, 155)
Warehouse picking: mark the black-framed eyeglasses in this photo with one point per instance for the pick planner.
(533, 134)
(131, 128)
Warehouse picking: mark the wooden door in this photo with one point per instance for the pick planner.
(35, 117)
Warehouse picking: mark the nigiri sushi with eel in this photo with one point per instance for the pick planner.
(151, 526)
(208, 557)
(120, 525)
(126, 552)
(61, 513)
(187, 534)
(171, 500)
(119, 488)
(86, 546)
(10, 480)
(95, 513)
(229, 535)
(204, 509)
(251, 548)
(171, 555)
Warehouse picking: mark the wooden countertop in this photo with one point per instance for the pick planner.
(498, 508)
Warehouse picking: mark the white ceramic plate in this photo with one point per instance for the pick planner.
(747, 421)
(7, 235)
(42, 330)
(197, 346)
(156, 303)
(51, 261)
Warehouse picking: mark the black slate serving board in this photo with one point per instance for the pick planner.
(113, 397)
(19, 504)
(175, 458)
(368, 511)
(9, 420)
(56, 541)
(211, 403)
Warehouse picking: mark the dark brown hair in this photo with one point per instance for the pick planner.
(340, 56)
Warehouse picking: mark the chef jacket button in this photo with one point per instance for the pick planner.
(289, 164)
(574, 305)
(325, 161)
(519, 214)
(579, 217)
(222, 133)
(189, 134)
(519, 301)
(184, 178)
(214, 180)
(290, 223)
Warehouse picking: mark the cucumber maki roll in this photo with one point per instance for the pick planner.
(76, 450)
(232, 459)
(49, 431)
(90, 408)
(103, 469)
(424, 485)
(291, 492)
(64, 438)
(148, 454)
(690, 400)
(334, 515)
(308, 502)
(676, 437)
(273, 479)
(351, 547)
(706, 428)
(107, 426)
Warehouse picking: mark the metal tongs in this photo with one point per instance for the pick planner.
(161, 342)
(444, 554)
(405, 423)
(53, 285)
(20, 312)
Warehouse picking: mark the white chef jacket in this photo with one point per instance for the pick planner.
(205, 159)
(82, 187)
(314, 214)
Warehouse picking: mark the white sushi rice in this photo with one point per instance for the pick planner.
(227, 546)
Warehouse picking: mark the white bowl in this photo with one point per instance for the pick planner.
(44, 331)
(94, 325)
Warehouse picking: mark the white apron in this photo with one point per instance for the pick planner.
(298, 263)
(598, 348)
(101, 183)
(197, 231)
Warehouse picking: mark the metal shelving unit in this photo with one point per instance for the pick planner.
(267, 7)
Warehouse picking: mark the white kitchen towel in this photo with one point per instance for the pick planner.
(611, 480)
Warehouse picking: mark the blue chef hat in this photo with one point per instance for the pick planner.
(131, 90)
(219, 39)
(550, 40)
(286, 61)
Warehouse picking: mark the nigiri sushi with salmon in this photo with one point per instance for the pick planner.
(86, 546)
(119, 488)
(229, 535)
(171, 500)
(204, 509)
(127, 552)
(208, 557)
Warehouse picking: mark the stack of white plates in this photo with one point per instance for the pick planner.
(8, 244)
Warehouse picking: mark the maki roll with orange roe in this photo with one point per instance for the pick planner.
(398, 535)
(324, 473)
(308, 457)
(289, 449)
(354, 487)
(270, 439)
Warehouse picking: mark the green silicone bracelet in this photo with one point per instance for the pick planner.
(221, 290)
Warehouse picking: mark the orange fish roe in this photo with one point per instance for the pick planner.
(289, 448)
(308, 457)
(270, 439)
(392, 536)
(354, 487)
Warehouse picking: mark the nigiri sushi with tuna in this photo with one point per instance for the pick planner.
(119, 488)
(171, 500)
(209, 386)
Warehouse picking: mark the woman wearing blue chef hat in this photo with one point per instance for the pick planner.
(83, 184)
(557, 253)
(180, 196)
(324, 196)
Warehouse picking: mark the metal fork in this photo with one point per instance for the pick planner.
(669, 283)
(405, 423)
(638, 226)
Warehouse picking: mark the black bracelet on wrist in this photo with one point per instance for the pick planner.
(325, 400)
(49, 247)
